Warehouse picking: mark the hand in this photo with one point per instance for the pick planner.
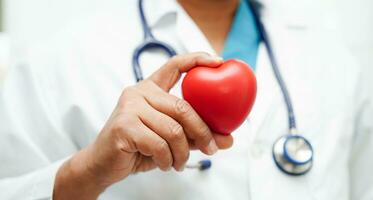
(149, 128)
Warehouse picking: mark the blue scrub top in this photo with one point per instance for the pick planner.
(244, 37)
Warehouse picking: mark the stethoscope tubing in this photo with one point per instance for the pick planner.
(149, 42)
(255, 6)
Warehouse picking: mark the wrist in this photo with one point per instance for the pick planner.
(74, 179)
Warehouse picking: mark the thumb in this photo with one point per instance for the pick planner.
(166, 76)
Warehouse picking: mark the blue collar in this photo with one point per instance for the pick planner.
(244, 37)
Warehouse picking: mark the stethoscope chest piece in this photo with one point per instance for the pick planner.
(293, 154)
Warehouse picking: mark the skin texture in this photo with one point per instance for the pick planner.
(213, 17)
(148, 129)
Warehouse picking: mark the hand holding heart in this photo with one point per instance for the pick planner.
(149, 128)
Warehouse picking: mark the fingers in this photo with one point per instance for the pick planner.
(171, 131)
(223, 141)
(179, 109)
(167, 127)
(168, 74)
(149, 143)
(143, 164)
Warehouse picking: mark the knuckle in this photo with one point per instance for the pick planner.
(204, 134)
(129, 98)
(129, 91)
(182, 107)
(127, 94)
(122, 124)
(119, 128)
(195, 60)
(145, 84)
(161, 148)
(176, 132)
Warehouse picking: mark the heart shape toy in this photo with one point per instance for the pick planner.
(222, 96)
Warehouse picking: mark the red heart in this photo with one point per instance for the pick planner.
(222, 96)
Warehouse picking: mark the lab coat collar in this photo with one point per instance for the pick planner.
(292, 17)
(292, 14)
(161, 10)
(156, 11)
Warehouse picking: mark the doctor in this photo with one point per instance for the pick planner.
(75, 125)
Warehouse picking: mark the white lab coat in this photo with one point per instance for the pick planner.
(58, 98)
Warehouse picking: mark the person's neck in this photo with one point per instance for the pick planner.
(213, 17)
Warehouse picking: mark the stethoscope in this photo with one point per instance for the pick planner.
(292, 153)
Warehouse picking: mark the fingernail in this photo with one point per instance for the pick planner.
(212, 148)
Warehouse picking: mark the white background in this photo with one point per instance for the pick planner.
(27, 21)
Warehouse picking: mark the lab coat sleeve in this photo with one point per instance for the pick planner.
(36, 184)
(361, 162)
(29, 134)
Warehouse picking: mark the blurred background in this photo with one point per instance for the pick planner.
(23, 22)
